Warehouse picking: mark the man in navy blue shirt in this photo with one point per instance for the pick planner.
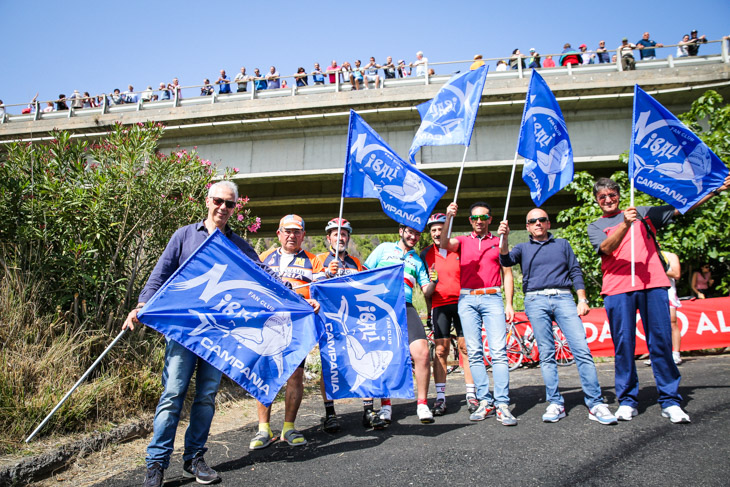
(646, 47)
(180, 363)
(549, 270)
(224, 83)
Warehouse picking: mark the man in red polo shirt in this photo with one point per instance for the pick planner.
(443, 307)
(480, 304)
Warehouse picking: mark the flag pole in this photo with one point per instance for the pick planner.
(456, 192)
(509, 193)
(633, 256)
(339, 227)
(78, 383)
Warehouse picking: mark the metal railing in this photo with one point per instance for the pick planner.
(178, 100)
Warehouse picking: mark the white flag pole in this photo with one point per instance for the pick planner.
(456, 192)
(339, 227)
(78, 383)
(633, 255)
(509, 193)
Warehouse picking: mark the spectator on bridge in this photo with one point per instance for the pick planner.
(49, 107)
(61, 103)
(683, 46)
(130, 96)
(242, 80)
(116, 98)
(283, 84)
(147, 94)
(89, 101)
(176, 89)
(29, 109)
(273, 81)
(77, 101)
(371, 73)
(333, 71)
(517, 57)
(317, 75)
(403, 70)
(354, 76)
(602, 53)
(301, 77)
(478, 62)
(207, 88)
(420, 64)
(164, 92)
(701, 282)
(587, 57)
(548, 63)
(2, 111)
(570, 56)
(501, 65)
(224, 83)
(626, 51)
(534, 61)
(259, 82)
(646, 47)
(694, 43)
(388, 68)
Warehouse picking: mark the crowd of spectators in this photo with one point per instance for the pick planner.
(362, 76)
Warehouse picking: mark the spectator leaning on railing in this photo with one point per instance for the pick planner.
(602, 53)
(646, 47)
(694, 43)
(242, 80)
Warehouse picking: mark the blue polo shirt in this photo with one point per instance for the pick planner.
(545, 264)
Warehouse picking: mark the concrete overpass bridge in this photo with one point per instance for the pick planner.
(289, 144)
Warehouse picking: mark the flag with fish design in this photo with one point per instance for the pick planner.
(222, 307)
(364, 348)
(667, 160)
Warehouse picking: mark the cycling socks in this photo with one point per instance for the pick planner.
(441, 391)
(471, 391)
(329, 408)
(367, 404)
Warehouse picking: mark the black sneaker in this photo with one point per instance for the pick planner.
(371, 419)
(439, 407)
(200, 471)
(473, 404)
(155, 475)
(330, 424)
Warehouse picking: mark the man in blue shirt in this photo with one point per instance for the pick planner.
(224, 83)
(389, 253)
(549, 270)
(259, 82)
(646, 47)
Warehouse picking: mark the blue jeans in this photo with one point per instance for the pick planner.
(653, 306)
(542, 311)
(489, 310)
(180, 363)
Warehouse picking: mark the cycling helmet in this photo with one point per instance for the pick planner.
(436, 218)
(332, 225)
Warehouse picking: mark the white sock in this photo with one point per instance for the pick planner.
(441, 391)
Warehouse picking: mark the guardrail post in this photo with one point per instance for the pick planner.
(294, 89)
(570, 69)
(176, 100)
(70, 112)
(425, 67)
(725, 49)
(214, 98)
(519, 69)
(337, 82)
(37, 114)
(670, 60)
(104, 104)
(253, 89)
(139, 104)
(619, 65)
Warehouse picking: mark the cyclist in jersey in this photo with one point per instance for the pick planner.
(444, 271)
(338, 262)
(389, 253)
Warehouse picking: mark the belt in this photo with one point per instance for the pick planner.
(549, 292)
(484, 290)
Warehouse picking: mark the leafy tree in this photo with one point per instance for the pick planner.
(697, 237)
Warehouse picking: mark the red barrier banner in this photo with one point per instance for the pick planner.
(705, 323)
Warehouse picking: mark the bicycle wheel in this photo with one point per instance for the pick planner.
(455, 354)
(515, 353)
(563, 355)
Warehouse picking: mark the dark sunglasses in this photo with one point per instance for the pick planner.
(541, 219)
(217, 202)
(479, 217)
(607, 196)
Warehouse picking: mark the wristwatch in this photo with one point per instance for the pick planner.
(715, 192)
(583, 301)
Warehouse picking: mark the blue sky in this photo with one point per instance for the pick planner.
(55, 47)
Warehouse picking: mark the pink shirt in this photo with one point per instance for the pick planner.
(479, 261)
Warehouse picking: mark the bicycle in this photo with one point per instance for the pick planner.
(522, 347)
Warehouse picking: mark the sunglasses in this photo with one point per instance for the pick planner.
(607, 196)
(217, 202)
(541, 219)
(479, 217)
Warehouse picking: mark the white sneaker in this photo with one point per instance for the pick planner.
(675, 415)
(602, 414)
(626, 413)
(553, 413)
(385, 413)
(424, 413)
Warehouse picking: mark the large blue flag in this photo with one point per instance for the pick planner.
(221, 306)
(667, 160)
(374, 170)
(544, 143)
(365, 346)
(449, 118)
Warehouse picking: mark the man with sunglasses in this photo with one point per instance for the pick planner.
(611, 239)
(480, 303)
(549, 270)
(180, 363)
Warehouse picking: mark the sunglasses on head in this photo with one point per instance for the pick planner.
(217, 202)
(479, 217)
(541, 219)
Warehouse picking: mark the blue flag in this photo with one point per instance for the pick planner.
(544, 143)
(449, 118)
(374, 170)
(667, 160)
(364, 348)
(222, 307)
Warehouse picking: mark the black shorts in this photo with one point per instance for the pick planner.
(442, 319)
(415, 325)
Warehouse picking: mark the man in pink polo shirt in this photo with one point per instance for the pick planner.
(480, 302)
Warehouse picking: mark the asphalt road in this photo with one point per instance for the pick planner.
(647, 451)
